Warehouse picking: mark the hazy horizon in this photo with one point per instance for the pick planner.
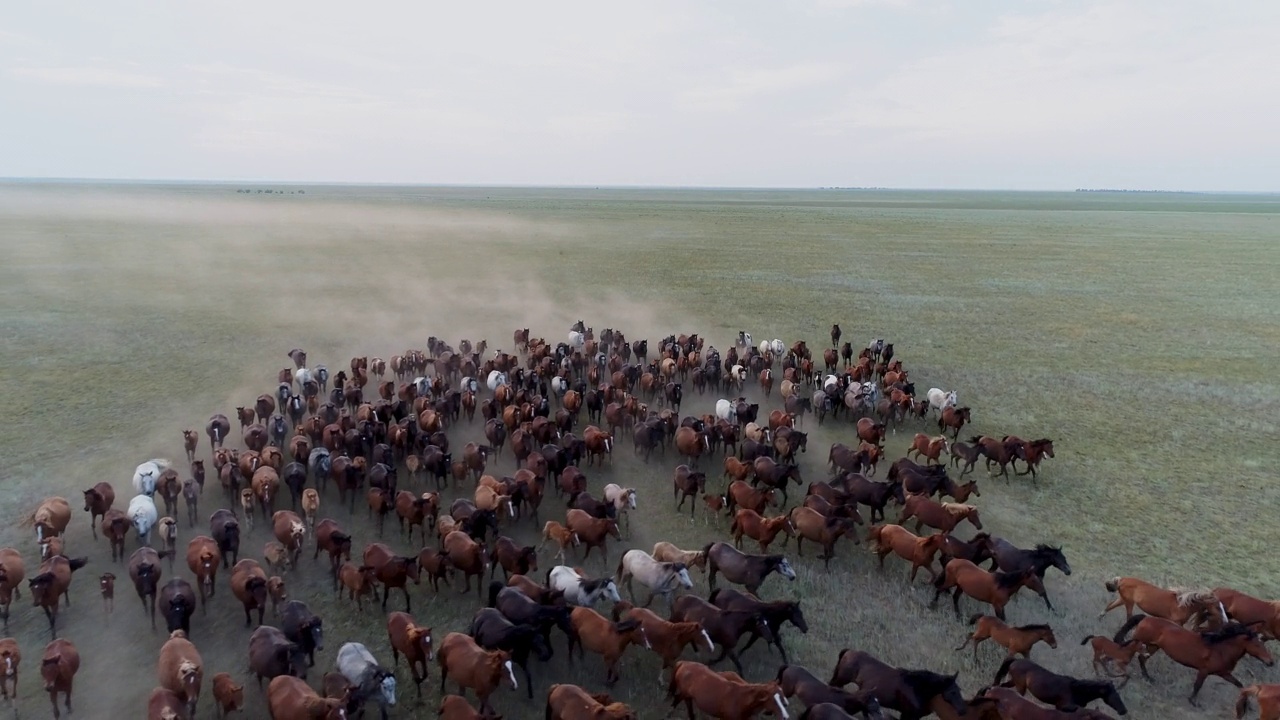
(1042, 95)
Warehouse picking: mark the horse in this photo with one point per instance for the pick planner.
(1245, 609)
(1010, 558)
(1208, 653)
(662, 578)
(954, 418)
(592, 531)
(910, 692)
(809, 524)
(1000, 452)
(143, 516)
(97, 501)
(940, 516)
(369, 679)
(1016, 640)
(623, 499)
(147, 475)
(180, 669)
(718, 696)
(929, 448)
(51, 583)
(744, 569)
(564, 702)
(1268, 697)
(304, 627)
(1109, 653)
(493, 631)
(145, 571)
(688, 484)
(666, 552)
(1009, 704)
(272, 655)
(58, 668)
(919, 551)
(580, 590)
(50, 519)
(797, 681)
(774, 614)
(290, 697)
(1177, 606)
(940, 399)
(249, 585)
(467, 556)
(393, 571)
(724, 626)
(10, 658)
(228, 696)
(217, 429)
(759, 528)
(513, 558)
(1064, 693)
(995, 588)
(474, 667)
(178, 603)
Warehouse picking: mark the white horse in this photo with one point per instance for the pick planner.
(738, 375)
(559, 386)
(623, 499)
(469, 384)
(146, 475)
(577, 339)
(581, 590)
(422, 385)
(302, 376)
(142, 513)
(496, 378)
(830, 383)
(777, 347)
(940, 399)
(370, 680)
(725, 410)
(744, 339)
(322, 377)
(662, 578)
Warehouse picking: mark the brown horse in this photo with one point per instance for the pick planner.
(741, 494)
(51, 583)
(725, 627)
(180, 669)
(1108, 654)
(58, 669)
(249, 585)
(1245, 609)
(1033, 451)
(929, 448)
(759, 528)
(1012, 706)
(718, 696)
(1177, 606)
(811, 525)
(592, 531)
(1000, 452)
(10, 658)
(570, 702)
(413, 641)
(468, 557)
(910, 692)
(940, 516)
(12, 572)
(1208, 653)
(291, 698)
(919, 551)
(1016, 640)
(513, 558)
(393, 571)
(995, 588)
(97, 501)
(473, 667)
(955, 418)
(1268, 697)
(593, 631)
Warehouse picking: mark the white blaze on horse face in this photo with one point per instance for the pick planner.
(511, 674)
(781, 709)
(631, 499)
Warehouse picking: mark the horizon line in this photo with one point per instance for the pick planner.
(605, 186)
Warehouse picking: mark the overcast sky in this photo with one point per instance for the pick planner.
(1039, 94)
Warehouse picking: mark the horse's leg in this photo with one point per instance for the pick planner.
(1142, 663)
(955, 600)
(1201, 676)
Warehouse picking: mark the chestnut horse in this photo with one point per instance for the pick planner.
(996, 588)
(1177, 606)
(718, 696)
(1208, 653)
(1016, 640)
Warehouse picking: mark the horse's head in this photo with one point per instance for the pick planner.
(783, 566)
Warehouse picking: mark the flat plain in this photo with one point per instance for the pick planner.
(1139, 332)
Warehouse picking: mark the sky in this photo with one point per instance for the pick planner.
(974, 94)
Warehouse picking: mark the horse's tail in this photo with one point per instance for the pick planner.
(77, 563)
(1113, 585)
(495, 587)
(973, 620)
(618, 574)
(1004, 669)
(781, 669)
(941, 581)
(1242, 704)
(1129, 624)
(1087, 639)
(714, 594)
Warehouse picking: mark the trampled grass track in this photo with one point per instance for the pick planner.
(1139, 333)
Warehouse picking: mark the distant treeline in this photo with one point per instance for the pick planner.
(1111, 190)
(261, 191)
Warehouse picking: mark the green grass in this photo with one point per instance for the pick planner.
(1137, 331)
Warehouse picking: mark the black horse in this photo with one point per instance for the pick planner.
(493, 631)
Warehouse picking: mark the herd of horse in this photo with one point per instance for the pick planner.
(329, 445)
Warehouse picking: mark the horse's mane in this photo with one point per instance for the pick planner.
(927, 682)
(958, 508)
(1033, 628)
(1097, 686)
(1187, 598)
(982, 536)
(1228, 632)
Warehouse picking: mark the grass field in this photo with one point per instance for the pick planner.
(1138, 331)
